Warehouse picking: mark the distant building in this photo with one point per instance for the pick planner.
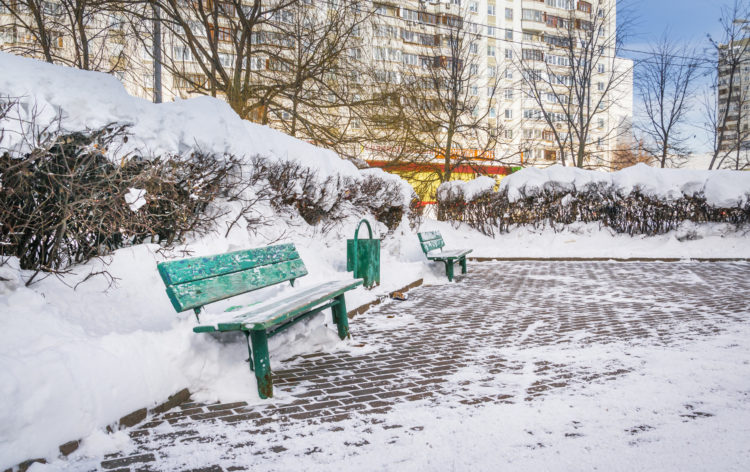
(398, 35)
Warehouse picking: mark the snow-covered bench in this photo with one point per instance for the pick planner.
(432, 241)
(195, 282)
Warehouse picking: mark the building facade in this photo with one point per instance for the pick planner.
(542, 76)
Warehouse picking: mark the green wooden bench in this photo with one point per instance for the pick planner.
(195, 282)
(432, 241)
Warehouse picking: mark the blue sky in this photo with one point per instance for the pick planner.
(686, 21)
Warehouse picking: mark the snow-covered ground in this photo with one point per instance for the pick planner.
(691, 241)
(74, 358)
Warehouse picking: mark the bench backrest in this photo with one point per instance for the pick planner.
(430, 241)
(198, 281)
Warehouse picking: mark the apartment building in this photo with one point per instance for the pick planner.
(734, 107)
(510, 41)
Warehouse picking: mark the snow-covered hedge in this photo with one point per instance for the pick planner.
(637, 200)
(75, 147)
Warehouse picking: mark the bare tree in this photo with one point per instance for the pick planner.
(219, 47)
(725, 116)
(86, 34)
(572, 77)
(429, 115)
(665, 82)
(314, 80)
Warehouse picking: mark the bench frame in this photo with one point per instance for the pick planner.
(432, 240)
(195, 282)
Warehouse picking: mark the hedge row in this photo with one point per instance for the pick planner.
(633, 213)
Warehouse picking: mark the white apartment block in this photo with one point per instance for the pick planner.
(736, 106)
(508, 32)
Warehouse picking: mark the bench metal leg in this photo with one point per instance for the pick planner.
(449, 270)
(463, 265)
(340, 317)
(262, 363)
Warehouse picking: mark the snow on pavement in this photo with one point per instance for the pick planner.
(519, 365)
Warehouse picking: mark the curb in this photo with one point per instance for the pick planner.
(363, 308)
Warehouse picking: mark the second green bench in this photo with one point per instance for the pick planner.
(432, 245)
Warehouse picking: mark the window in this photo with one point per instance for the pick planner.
(491, 71)
(532, 55)
(409, 15)
(491, 31)
(473, 7)
(182, 53)
(509, 35)
(600, 68)
(257, 63)
(490, 91)
(508, 74)
(600, 86)
(508, 94)
(493, 113)
(222, 33)
(508, 13)
(474, 90)
(508, 134)
(532, 15)
(491, 51)
(509, 54)
(491, 10)
(226, 60)
(508, 114)
(410, 59)
(473, 69)
(473, 48)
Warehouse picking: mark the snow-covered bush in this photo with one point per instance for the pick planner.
(638, 200)
(65, 201)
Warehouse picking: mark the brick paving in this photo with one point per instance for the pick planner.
(415, 352)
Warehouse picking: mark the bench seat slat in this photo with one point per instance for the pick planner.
(453, 254)
(196, 268)
(204, 291)
(266, 315)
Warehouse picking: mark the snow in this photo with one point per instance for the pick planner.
(690, 241)
(82, 99)
(467, 189)
(722, 188)
(75, 356)
(135, 198)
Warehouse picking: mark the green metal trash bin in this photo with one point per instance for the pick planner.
(363, 257)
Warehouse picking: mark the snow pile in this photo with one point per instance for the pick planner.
(721, 188)
(467, 190)
(85, 100)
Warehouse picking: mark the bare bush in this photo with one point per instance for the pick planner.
(637, 212)
(63, 202)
